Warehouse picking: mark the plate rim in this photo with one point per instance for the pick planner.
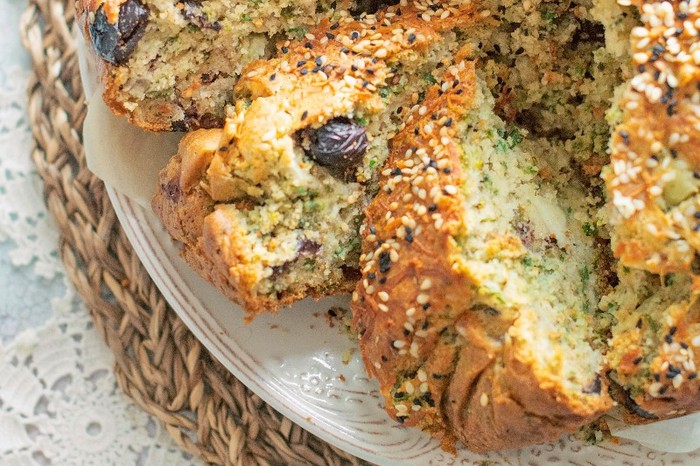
(127, 211)
(131, 216)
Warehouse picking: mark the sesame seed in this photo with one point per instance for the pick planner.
(408, 386)
(484, 400)
(450, 189)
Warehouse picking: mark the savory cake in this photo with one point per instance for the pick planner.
(445, 159)
(478, 294)
(172, 65)
(653, 185)
(269, 207)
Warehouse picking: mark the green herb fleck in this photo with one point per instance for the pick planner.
(585, 274)
(297, 33)
(590, 229)
(310, 265)
(429, 78)
(549, 15)
(360, 120)
(245, 18)
(508, 138)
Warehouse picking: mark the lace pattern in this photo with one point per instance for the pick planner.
(59, 402)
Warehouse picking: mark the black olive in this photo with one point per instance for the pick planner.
(115, 42)
(306, 247)
(594, 386)
(192, 12)
(172, 189)
(339, 145)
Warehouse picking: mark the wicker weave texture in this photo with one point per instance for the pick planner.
(159, 363)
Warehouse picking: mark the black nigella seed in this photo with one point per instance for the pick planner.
(384, 262)
(339, 145)
(284, 50)
(411, 38)
(116, 42)
(625, 137)
(334, 26)
(330, 36)
(395, 172)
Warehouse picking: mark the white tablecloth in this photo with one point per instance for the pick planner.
(59, 403)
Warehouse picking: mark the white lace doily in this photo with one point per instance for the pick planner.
(59, 402)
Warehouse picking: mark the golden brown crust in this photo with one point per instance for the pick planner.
(444, 363)
(660, 127)
(217, 172)
(652, 186)
(315, 80)
(192, 218)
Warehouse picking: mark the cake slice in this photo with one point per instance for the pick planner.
(479, 285)
(171, 65)
(268, 208)
(653, 185)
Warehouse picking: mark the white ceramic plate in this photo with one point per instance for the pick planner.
(294, 361)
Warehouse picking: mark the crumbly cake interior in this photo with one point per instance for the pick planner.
(543, 73)
(550, 75)
(648, 312)
(192, 52)
(530, 256)
(304, 220)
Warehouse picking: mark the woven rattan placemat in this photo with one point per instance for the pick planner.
(159, 363)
